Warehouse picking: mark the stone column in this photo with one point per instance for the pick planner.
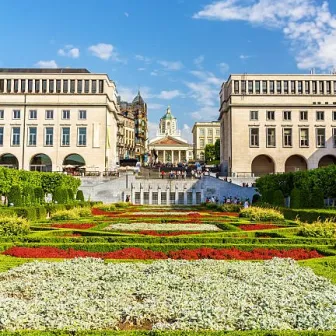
(194, 196)
(168, 196)
(159, 196)
(150, 196)
(164, 156)
(133, 195)
(185, 201)
(141, 196)
(179, 156)
(172, 156)
(176, 195)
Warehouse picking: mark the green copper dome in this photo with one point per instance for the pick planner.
(168, 115)
(138, 99)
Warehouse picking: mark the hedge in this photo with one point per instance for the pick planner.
(308, 215)
(15, 196)
(80, 196)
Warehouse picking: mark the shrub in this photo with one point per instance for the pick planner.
(256, 198)
(121, 204)
(39, 195)
(80, 196)
(26, 212)
(106, 207)
(84, 212)
(230, 207)
(60, 195)
(318, 229)
(317, 198)
(13, 226)
(310, 215)
(65, 215)
(278, 198)
(262, 215)
(14, 196)
(295, 199)
(267, 196)
(41, 212)
(71, 195)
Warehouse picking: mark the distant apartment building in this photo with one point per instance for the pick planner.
(125, 135)
(56, 118)
(277, 123)
(204, 133)
(138, 111)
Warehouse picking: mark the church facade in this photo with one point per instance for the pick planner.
(168, 146)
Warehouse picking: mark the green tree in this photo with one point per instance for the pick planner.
(15, 197)
(28, 195)
(80, 196)
(217, 149)
(278, 198)
(295, 199)
(39, 195)
(209, 153)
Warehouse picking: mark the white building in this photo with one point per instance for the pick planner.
(277, 123)
(51, 118)
(168, 145)
(204, 133)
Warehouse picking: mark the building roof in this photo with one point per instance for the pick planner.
(44, 70)
(168, 115)
(138, 99)
(169, 141)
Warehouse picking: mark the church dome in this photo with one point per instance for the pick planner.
(138, 99)
(168, 115)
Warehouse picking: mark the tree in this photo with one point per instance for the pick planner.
(80, 196)
(217, 149)
(278, 198)
(15, 197)
(210, 154)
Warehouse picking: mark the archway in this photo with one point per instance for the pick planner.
(74, 160)
(40, 162)
(327, 160)
(262, 165)
(295, 163)
(9, 160)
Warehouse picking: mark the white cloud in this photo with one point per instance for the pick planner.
(152, 129)
(142, 58)
(308, 24)
(244, 57)
(169, 94)
(198, 61)
(186, 133)
(102, 50)
(141, 69)
(128, 93)
(69, 51)
(155, 106)
(205, 113)
(223, 67)
(154, 73)
(171, 66)
(47, 64)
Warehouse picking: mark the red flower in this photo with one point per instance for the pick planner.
(252, 227)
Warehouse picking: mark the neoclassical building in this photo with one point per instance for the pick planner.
(277, 123)
(168, 145)
(56, 118)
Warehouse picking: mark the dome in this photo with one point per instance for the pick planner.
(168, 115)
(138, 99)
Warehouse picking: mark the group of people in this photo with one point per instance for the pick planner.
(174, 174)
(229, 200)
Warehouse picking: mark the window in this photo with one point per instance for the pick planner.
(250, 86)
(65, 86)
(333, 136)
(271, 86)
(23, 85)
(278, 86)
(333, 115)
(264, 86)
(81, 136)
(201, 143)
(1, 136)
(319, 116)
(286, 86)
(72, 86)
(16, 136)
(16, 114)
(303, 115)
(49, 136)
(82, 115)
(321, 86)
(307, 87)
(65, 136)
(9, 85)
(101, 86)
(30, 85)
(209, 141)
(2, 85)
(236, 86)
(33, 114)
(94, 86)
(66, 114)
(300, 87)
(49, 114)
(304, 137)
(16, 85)
(328, 87)
(334, 87)
(243, 87)
(257, 85)
(32, 135)
(270, 115)
(287, 115)
(287, 137)
(314, 87)
(270, 137)
(2, 114)
(253, 115)
(292, 86)
(209, 132)
(51, 86)
(44, 85)
(58, 86)
(79, 86)
(320, 137)
(254, 137)
(87, 86)
(217, 132)
(201, 132)
(37, 85)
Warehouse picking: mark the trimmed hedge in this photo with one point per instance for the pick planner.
(278, 198)
(308, 215)
(15, 196)
(39, 195)
(80, 196)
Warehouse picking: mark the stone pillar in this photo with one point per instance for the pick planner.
(194, 196)
(159, 196)
(164, 156)
(176, 195)
(150, 196)
(141, 196)
(185, 201)
(133, 195)
(168, 196)
(179, 156)
(172, 157)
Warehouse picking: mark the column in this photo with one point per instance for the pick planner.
(150, 196)
(185, 201)
(172, 156)
(164, 156)
(159, 196)
(194, 196)
(133, 195)
(141, 196)
(179, 156)
(176, 195)
(168, 196)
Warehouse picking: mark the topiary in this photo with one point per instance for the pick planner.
(60, 195)
(39, 195)
(80, 196)
(295, 198)
(28, 195)
(14, 196)
(278, 198)
(71, 195)
(13, 226)
(317, 198)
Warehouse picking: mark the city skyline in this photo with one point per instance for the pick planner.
(177, 52)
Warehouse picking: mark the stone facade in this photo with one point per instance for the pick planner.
(50, 118)
(204, 133)
(277, 123)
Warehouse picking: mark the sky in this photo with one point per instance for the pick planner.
(177, 52)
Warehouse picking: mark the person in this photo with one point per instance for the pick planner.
(184, 175)
(127, 198)
(224, 200)
(246, 204)
(162, 174)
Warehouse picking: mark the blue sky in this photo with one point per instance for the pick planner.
(178, 52)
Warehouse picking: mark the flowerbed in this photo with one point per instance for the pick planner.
(79, 226)
(166, 295)
(164, 234)
(161, 227)
(138, 253)
(253, 227)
